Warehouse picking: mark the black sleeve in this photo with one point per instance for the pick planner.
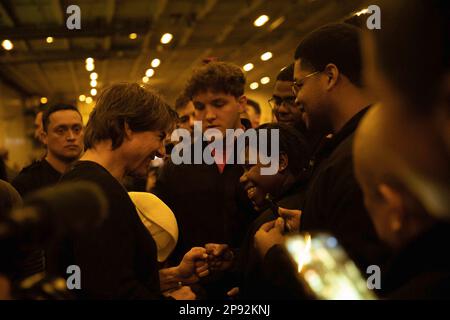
(105, 257)
(348, 219)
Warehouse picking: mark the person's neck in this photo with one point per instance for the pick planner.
(103, 155)
(347, 108)
(58, 164)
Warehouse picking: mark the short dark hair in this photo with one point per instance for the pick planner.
(55, 108)
(126, 103)
(181, 101)
(412, 48)
(293, 144)
(337, 43)
(254, 105)
(217, 77)
(286, 74)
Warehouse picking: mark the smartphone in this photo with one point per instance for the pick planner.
(274, 207)
(324, 268)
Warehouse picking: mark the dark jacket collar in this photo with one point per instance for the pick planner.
(348, 129)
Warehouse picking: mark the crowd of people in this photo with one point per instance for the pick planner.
(362, 122)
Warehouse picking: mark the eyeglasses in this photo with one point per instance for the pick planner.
(296, 86)
(276, 102)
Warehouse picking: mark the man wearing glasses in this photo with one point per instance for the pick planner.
(288, 112)
(328, 88)
(283, 100)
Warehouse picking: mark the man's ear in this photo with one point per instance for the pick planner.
(242, 101)
(395, 205)
(332, 74)
(284, 162)
(44, 136)
(128, 132)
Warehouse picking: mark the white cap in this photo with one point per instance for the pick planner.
(159, 220)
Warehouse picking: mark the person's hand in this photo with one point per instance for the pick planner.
(291, 218)
(194, 265)
(183, 293)
(268, 235)
(220, 256)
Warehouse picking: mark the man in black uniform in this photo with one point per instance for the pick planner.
(125, 131)
(63, 135)
(329, 89)
(207, 199)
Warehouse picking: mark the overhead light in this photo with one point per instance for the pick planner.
(276, 23)
(254, 85)
(248, 67)
(90, 61)
(49, 39)
(145, 79)
(155, 63)
(94, 76)
(7, 45)
(261, 21)
(265, 80)
(88, 100)
(266, 56)
(132, 36)
(149, 73)
(93, 83)
(166, 38)
(82, 97)
(90, 67)
(44, 100)
(93, 92)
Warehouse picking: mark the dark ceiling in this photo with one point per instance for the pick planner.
(200, 28)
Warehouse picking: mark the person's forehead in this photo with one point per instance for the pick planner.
(187, 109)
(283, 89)
(299, 70)
(65, 117)
(210, 95)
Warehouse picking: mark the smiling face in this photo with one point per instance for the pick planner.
(257, 185)
(312, 98)
(219, 110)
(140, 148)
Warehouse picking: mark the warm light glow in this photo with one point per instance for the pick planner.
(145, 79)
(94, 76)
(93, 83)
(88, 100)
(93, 92)
(90, 61)
(304, 256)
(149, 73)
(265, 80)
(276, 23)
(44, 100)
(254, 85)
(266, 56)
(248, 67)
(155, 63)
(166, 38)
(82, 97)
(363, 11)
(90, 67)
(261, 21)
(7, 45)
(132, 36)
(49, 39)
